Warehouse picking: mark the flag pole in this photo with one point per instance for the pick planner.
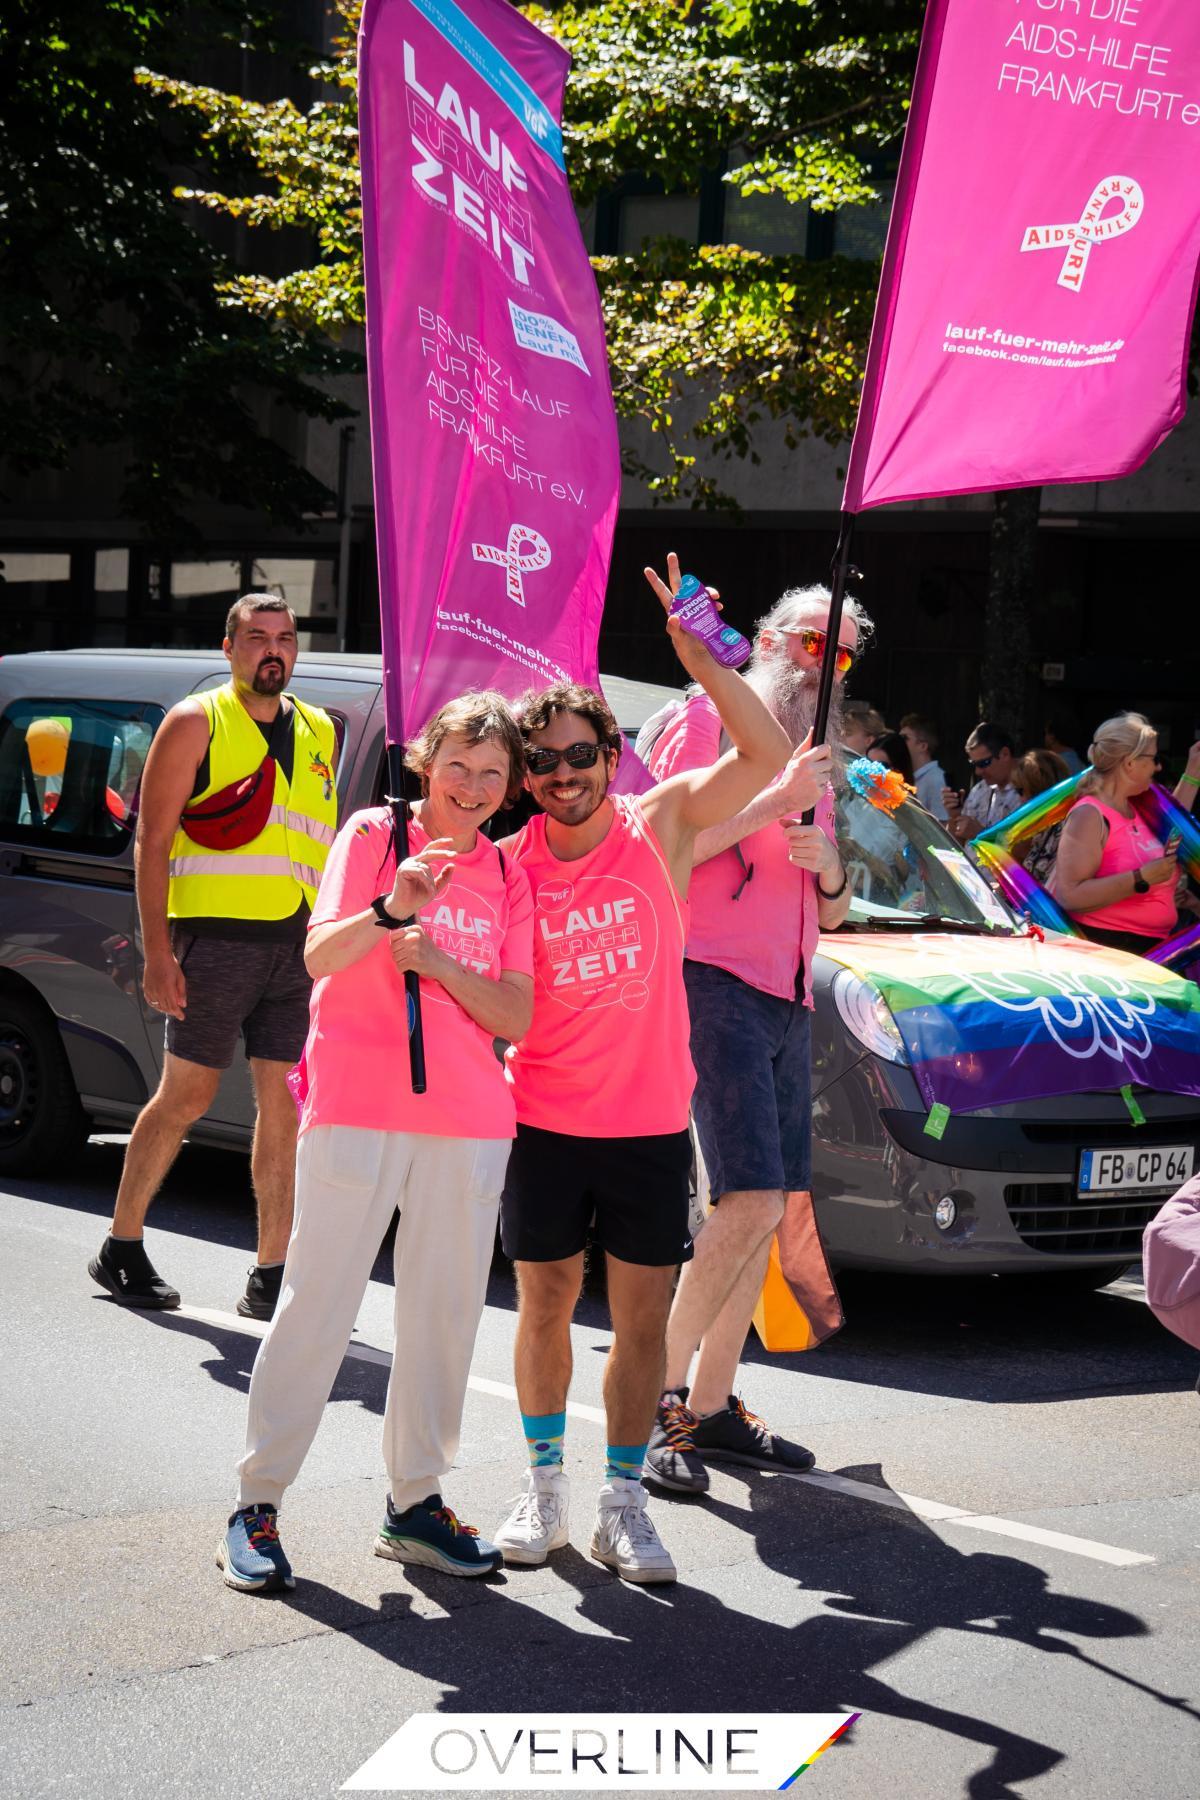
(843, 569)
(412, 981)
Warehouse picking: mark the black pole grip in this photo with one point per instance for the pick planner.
(412, 981)
(837, 595)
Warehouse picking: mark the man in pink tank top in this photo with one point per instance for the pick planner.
(603, 1080)
(763, 888)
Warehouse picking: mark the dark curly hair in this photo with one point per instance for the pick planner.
(540, 706)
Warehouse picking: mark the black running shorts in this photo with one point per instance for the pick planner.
(258, 991)
(631, 1192)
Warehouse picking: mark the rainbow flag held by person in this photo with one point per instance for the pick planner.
(995, 846)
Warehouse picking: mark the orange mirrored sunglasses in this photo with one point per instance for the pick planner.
(813, 643)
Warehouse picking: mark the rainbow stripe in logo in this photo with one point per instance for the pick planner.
(848, 1721)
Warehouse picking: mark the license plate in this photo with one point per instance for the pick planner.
(1148, 1169)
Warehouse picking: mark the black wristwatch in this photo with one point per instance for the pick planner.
(837, 892)
(383, 916)
(1140, 884)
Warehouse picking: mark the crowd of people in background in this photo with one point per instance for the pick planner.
(1118, 882)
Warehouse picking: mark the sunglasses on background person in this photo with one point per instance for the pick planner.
(541, 761)
(813, 644)
(981, 763)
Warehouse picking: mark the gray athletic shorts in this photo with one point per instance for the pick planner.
(258, 991)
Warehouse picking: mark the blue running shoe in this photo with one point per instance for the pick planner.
(250, 1554)
(430, 1534)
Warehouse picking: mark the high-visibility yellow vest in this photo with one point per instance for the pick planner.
(265, 878)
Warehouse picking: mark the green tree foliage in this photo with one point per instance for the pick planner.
(803, 95)
(112, 327)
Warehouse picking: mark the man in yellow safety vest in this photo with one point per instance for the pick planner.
(238, 810)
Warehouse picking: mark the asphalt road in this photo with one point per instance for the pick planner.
(1022, 1622)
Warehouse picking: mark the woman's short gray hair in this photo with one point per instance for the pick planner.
(1129, 734)
(799, 603)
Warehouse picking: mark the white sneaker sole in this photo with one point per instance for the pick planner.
(411, 1550)
(244, 1584)
(645, 1576)
(530, 1556)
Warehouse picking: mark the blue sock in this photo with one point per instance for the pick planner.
(624, 1461)
(544, 1435)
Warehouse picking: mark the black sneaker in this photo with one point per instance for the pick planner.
(736, 1436)
(130, 1277)
(262, 1292)
(671, 1457)
(431, 1535)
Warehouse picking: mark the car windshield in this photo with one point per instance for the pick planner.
(905, 870)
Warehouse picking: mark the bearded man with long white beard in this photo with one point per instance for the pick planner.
(762, 888)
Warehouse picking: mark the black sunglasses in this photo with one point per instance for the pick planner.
(984, 762)
(541, 761)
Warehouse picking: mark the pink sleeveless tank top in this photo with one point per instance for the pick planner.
(1129, 844)
(607, 1054)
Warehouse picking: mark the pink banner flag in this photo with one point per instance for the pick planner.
(1039, 280)
(492, 428)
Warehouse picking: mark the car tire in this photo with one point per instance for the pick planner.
(42, 1125)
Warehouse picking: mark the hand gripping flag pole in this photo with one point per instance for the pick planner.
(843, 572)
(412, 981)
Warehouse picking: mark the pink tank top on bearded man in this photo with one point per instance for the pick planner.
(1128, 844)
(607, 1053)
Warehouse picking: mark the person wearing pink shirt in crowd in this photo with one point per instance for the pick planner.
(763, 887)
(603, 1080)
(368, 1144)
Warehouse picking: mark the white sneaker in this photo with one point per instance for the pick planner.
(537, 1523)
(625, 1537)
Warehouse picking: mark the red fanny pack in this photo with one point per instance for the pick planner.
(235, 814)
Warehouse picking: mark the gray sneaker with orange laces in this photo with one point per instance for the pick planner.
(672, 1459)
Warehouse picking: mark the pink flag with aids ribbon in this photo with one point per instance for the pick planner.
(1038, 285)
(493, 434)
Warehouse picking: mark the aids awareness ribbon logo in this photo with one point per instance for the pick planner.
(514, 560)
(1095, 226)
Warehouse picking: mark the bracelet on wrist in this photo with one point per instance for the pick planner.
(382, 916)
(1192, 780)
(837, 892)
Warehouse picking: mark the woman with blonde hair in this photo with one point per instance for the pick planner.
(1113, 876)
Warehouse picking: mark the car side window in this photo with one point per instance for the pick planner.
(70, 771)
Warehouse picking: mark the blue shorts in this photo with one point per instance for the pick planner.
(753, 1099)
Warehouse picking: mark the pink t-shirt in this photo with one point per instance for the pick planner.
(607, 1053)
(357, 1051)
(1129, 844)
(771, 928)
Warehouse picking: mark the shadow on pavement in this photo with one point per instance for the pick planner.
(877, 1585)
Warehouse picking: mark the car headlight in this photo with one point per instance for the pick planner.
(866, 1015)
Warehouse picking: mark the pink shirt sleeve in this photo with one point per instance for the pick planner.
(356, 869)
(516, 952)
(691, 740)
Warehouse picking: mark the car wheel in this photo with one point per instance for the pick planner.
(42, 1125)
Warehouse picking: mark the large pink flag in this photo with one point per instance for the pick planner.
(492, 427)
(1040, 275)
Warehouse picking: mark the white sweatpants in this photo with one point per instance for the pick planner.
(348, 1180)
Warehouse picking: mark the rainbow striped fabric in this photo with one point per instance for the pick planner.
(1157, 808)
(993, 1021)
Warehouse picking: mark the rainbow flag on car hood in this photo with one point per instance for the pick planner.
(987, 1022)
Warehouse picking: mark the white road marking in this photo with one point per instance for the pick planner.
(935, 1510)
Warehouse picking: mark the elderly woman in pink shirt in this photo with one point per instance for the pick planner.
(1112, 875)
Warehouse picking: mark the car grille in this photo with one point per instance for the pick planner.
(1047, 1216)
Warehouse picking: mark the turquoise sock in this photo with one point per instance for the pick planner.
(544, 1435)
(625, 1461)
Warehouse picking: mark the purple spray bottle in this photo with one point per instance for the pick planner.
(693, 607)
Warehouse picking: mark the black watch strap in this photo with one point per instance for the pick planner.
(1140, 884)
(383, 916)
(837, 892)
